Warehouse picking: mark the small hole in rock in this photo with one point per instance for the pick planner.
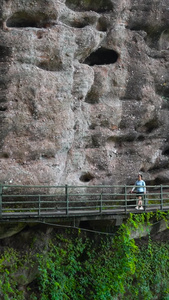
(102, 24)
(152, 125)
(5, 53)
(22, 19)
(39, 35)
(4, 155)
(3, 108)
(18, 21)
(141, 138)
(102, 56)
(86, 177)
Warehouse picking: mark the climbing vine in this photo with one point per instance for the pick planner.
(102, 268)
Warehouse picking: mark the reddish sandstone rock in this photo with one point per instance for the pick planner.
(84, 91)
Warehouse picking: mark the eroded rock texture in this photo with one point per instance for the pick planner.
(84, 91)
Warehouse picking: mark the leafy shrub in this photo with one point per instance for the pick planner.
(83, 268)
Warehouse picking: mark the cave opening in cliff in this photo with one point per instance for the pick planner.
(23, 19)
(102, 56)
(86, 177)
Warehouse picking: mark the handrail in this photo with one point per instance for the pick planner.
(44, 201)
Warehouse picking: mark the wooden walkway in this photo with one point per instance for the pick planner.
(84, 214)
(85, 202)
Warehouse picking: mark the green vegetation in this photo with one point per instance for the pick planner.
(9, 263)
(81, 268)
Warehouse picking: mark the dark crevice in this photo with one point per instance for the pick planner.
(141, 138)
(102, 56)
(160, 180)
(3, 108)
(4, 155)
(100, 6)
(92, 126)
(102, 24)
(163, 91)
(49, 66)
(152, 33)
(130, 137)
(159, 166)
(78, 22)
(23, 19)
(165, 104)
(5, 53)
(96, 140)
(142, 170)
(152, 125)
(86, 177)
(39, 34)
(92, 97)
(166, 151)
(3, 100)
(48, 154)
(111, 140)
(86, 21)
(3, 86)
(21, 23)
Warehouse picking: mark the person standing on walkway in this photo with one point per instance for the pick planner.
(140, 188)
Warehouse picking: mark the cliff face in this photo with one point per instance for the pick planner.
(84, 91)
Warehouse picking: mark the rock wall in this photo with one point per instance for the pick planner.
(84, 91)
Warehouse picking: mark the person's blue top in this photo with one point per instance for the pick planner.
(140, 186)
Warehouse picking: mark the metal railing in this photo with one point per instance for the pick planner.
(50, 201)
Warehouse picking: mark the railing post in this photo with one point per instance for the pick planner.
(101, 200)
(67, 199)
(161, 196)
(39, 205)
(145, 201)
(125, 190)
(0, 201)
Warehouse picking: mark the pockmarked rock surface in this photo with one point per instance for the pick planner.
(84, 91)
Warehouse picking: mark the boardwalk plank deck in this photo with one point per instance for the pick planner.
(78, 213)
